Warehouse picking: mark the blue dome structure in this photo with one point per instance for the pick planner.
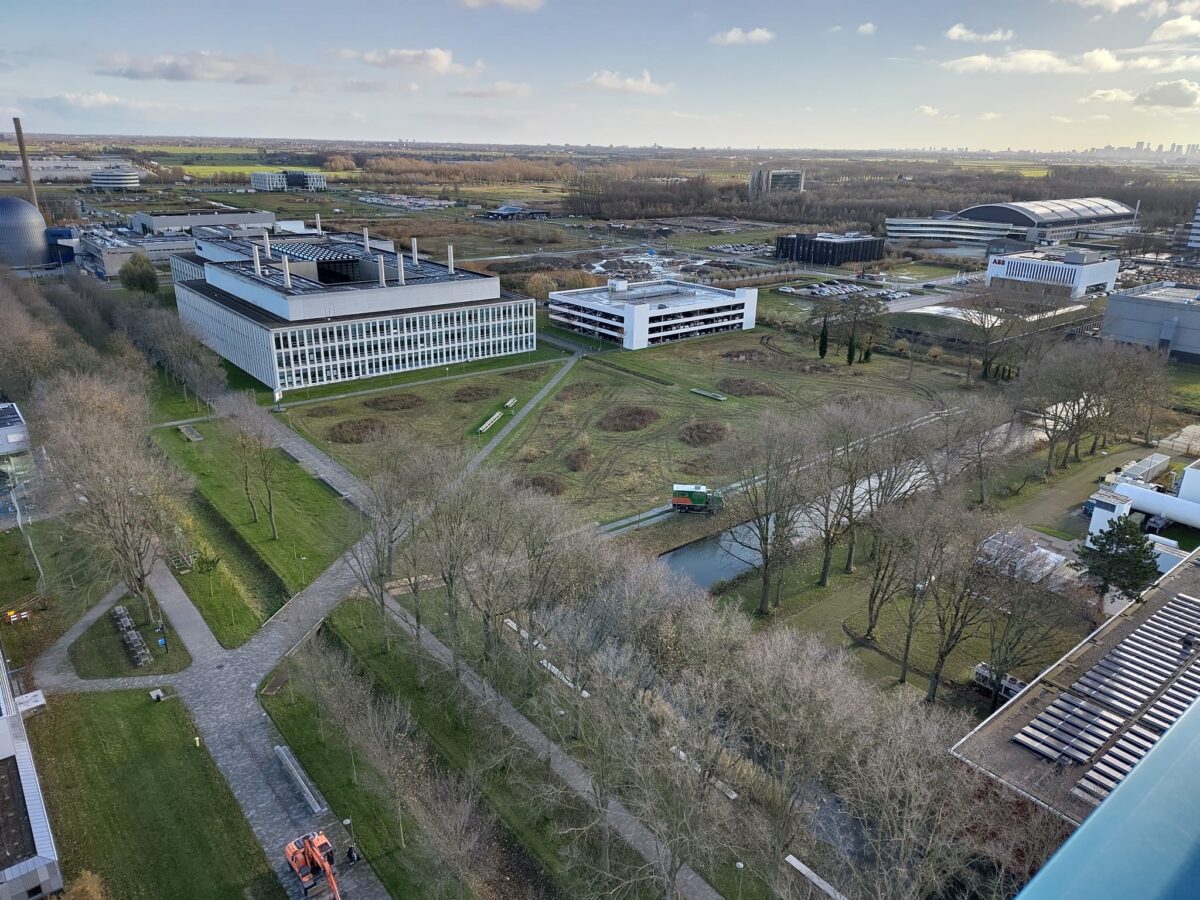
(22, 233)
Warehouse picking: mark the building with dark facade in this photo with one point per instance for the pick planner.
(826, 249)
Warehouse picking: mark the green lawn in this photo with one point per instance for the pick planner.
(167, 402)
(633, 470)
(230, 583)
(132, 799)
(1185, 377)
(314, 524)
(449, 413)
(922, 270)
(100, 651)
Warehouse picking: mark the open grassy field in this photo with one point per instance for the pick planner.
(1026, 169)
(314, 524)
(132, 799)
(1185, 380)
(100, 651)
(694, 240)
(445, 413)
(922, 270)
(684, 434)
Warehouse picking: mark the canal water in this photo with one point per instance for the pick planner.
(713, 559)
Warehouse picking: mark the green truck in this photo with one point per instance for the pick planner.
(694, 498)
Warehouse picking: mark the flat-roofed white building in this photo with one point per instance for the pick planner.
(1083, 272)
(268, 181)
(185, 220)
(1164, 315)
(29, 866)
(312, 309)
(645, 313)
(116, 179)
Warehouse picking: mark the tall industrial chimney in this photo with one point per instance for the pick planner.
(25, 161)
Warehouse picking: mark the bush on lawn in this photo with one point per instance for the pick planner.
(357, 431)
(628, 418)
(579, 458)
(747, 387)
(393, 402)
(547, 484)
(472, 392)
(704, 434)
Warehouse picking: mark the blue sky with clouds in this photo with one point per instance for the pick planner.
(1050, 74)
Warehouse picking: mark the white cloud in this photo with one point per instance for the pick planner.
(1066, 120)
(1049, 62)
(519, 5)
(364, 86)
(960, 32)
(1179, 94)
(496, 89)
(738, 36)
(834, 29)
(1181, 28)
(95, 100)
(606, 80)
(198, 65)
(866, 28)
(1111, 5)
(433, 60)
(989, 116)
(925, 110)
(1108, 95)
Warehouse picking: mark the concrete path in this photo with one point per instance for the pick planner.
(478, 459)
(689, 883)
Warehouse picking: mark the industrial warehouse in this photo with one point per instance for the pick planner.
(320, 308)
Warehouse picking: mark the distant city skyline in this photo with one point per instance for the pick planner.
(1051, 76)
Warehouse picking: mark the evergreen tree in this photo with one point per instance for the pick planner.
(850, 350)
(139, 275)
(823, 345)
(1121, 557)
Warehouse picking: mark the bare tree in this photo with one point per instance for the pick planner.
(95, 433)
(259, 461)
(768, 480)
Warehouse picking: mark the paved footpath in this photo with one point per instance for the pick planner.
(220, 689)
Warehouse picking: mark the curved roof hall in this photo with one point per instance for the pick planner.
(1050, 212)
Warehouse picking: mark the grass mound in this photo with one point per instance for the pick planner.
(546, 484)
(747, 387)
(748, 356)
(813, 367)
(393, 402)
(534, 374)
(628, 418)
(578, 390)
(324, 411)
(357, 431)
(704, 434)
(472, 392)
(579, 459)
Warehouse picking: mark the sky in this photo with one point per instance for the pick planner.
(857, 74)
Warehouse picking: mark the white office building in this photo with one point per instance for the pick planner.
(288, 180)
(116, 179)
(1081, 272)
(1193, 231)
(268, 181)
(310, 309)
(646, 313)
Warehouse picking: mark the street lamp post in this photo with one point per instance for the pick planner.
(741, 867)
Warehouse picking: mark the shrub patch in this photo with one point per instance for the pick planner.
(357, 431)
(628, 418)
(391, 402)
(747, 387)
(704, 434)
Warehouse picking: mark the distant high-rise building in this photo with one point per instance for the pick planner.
(1141, 145)
(764, 181)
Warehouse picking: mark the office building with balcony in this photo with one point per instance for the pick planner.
(646, 313)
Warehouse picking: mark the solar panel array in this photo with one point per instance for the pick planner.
(1121, 706)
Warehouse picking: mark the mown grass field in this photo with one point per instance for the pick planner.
(445, 413)
(633, 470)
(100, 651)
(133, 799)
(314, 524)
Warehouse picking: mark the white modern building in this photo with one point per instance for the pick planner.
(1083, 272)
(646, 313)
(314, 308)
(1193, 231)
(288, 180)
(1164, 315)
(1038, 221)
(103, 252)
(185, 220)
(29, 866)
(116, 179)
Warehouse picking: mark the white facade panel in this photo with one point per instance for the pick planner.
(1081, 278)
(244, 343)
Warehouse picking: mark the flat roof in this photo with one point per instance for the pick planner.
(204, 212)
(271, 272)
(1167, 291)
(1070, 737)
(270, 320)
(1059, 255)
(663, 293)
(827, 236)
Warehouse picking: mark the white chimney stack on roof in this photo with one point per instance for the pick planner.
(400, 266)
(287, 273)
(366, 240)
(257, 263)
(416, 262)
(267, 242)
(382, 274)
(319, 231)
(450, 258)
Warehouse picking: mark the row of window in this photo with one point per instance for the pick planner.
(403, 325)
